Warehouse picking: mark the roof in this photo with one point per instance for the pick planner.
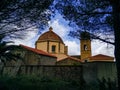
(50, 35)
(76, 56)
(71, 58)
(101, 57)
(37, 51)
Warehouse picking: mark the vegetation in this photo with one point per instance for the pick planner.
(17, 16)
(6, 51)
(7, 54)
(88, 15)
(46, 83)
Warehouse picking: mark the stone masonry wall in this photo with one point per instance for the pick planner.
(89, 71)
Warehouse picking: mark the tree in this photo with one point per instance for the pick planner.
(6, 53)
(5, 49)
(19, 15)
(16, 17)
(88, 15)
(116, 20)
(98, 17)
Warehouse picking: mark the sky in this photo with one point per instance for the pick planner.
(60, 26)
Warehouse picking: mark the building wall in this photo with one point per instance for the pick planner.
(47, 60)
(37, 59)
(68, 62)
(55, 44)
(62, 49)
(31, 58)
(66, 50)
(112, 60)
(90, 72)
(94, 71)
(47, 46)
(41, 46)
(60, 52)
(85, 53)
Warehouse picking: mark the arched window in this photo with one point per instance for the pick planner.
(85, 47)
(53, 48)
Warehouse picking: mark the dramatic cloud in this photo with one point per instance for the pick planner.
(73, 47)
(60, 26)
(29, 39)
(102, 48)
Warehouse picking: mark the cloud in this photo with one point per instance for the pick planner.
(73, 47)
(60, 26)
(102, 48)
(29, 39)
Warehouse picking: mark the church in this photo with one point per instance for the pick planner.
(50, 49)
(50, 58)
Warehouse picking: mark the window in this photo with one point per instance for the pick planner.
(85, 47)
(53, 48)
(85, 61)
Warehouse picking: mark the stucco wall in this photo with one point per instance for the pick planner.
(37, 59)
(62, 49)
(42, 46)
(47, 60)
(31, 58)
(55, 44)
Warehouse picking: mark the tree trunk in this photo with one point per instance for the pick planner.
(1, 68)
(116, 21)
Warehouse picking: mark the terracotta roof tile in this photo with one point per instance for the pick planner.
(50, 35)
(71, 58)
(37, 51)
(101, 57)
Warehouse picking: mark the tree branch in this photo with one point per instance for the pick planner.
(103, 40)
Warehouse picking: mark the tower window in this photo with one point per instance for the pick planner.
(53, 48)
(85, 47)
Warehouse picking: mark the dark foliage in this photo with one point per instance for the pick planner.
(93, 16)
(47, 83)
(19, 15)
(6, 53)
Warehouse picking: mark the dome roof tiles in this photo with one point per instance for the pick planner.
(51, 36)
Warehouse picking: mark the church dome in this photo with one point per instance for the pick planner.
(51, 36)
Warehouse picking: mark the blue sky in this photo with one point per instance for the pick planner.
(61, 27)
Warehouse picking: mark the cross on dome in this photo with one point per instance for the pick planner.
(50, 28)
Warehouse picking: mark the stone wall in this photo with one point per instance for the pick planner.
(89, 71)
(94, 71)
(62, 72)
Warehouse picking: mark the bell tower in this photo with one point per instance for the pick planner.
(85, 46)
